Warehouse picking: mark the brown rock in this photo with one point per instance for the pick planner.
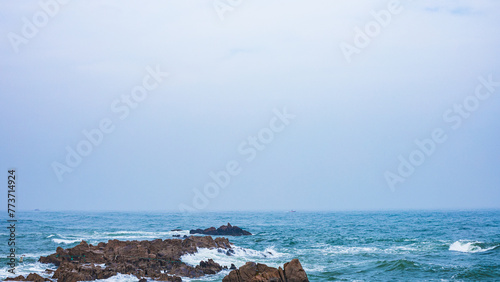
(165, 277)
(17, 278)
(256, 272)
(70, 272)
(209, 267)
(31, 277)
(157, 259)
(35, 277)
(294, 271)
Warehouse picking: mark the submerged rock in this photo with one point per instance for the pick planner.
(256, 272)
(158, 259)
(227, 230)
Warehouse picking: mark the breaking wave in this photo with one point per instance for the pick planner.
(237, 256)
(465, 246)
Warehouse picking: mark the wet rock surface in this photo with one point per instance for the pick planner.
(31, 277)
(256, 272)
(158, 259)
(224, 230)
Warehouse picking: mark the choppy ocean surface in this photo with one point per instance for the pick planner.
(344, 246)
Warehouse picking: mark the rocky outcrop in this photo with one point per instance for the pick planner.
(158, 259)
(225, 230)
(256, 272)
(31, 277)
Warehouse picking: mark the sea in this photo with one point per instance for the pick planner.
(331, 246)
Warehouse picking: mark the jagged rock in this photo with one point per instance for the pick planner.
(227, 230)
(69, 272)
(17, 278)
(257, 272)
(294, 271)
(209, 267)
(31, 277)
(158, 259)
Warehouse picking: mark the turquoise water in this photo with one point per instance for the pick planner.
(345, 246)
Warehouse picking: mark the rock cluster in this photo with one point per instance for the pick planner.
(158, 259)
(31, 277)
(225, 230)
(256, 272)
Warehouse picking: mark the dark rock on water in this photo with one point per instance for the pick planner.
(256, 272)
(31, 277)
(227, 230)
(210, 267)
(17, 278)
(158, 259)
(229, 252)
(68, 271)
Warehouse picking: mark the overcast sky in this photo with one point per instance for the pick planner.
(306, 105)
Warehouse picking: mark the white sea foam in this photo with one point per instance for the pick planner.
(131, 278)
(215, 277)
(315, 268)
(353, 250)
(27, 268)
(97, 237)
(348, 250)
(401, 249)
(138, 234)
(238, 258)
(465, 246)
(121, 278)
(66, 241)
